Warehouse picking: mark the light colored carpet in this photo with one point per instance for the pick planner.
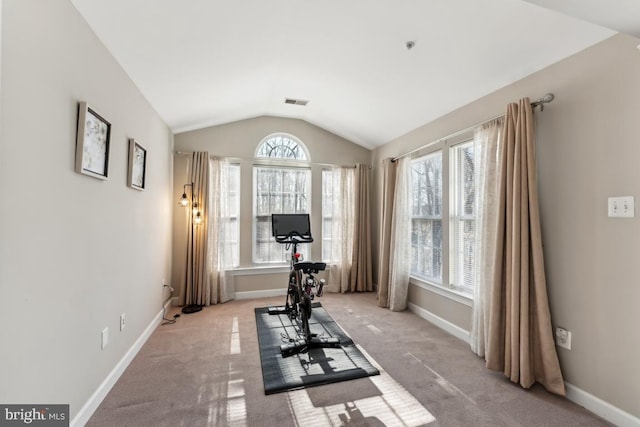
(204, 370)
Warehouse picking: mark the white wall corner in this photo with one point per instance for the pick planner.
(87, 410)
(449, 327)
(260, 294)
(601, 408)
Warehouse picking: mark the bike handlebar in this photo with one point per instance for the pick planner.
(294, 237)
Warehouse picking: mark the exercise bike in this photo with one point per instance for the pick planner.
(292, 230)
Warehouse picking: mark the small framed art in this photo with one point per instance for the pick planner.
(92, 143)
(136, 177)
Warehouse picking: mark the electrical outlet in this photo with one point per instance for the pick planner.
(563, 338)
(122, 322)
(104, 338)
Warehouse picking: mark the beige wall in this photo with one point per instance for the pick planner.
(588, 150)
(75, 251)
(239, 141)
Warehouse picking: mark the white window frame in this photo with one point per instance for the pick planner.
(326, 192)
(329, 242)
(282, 137)
(456, 216)
(234, 168)
(433, 217)
(446, 287)
(282, 163)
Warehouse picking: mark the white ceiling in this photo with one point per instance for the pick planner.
(620, 15)
(208, 62)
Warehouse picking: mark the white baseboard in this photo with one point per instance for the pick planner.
(601, 408)
(590, 402)
(261, 294)
(454, 330)
(87, 410)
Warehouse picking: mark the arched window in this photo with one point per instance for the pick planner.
(279, 187)
(282, 146)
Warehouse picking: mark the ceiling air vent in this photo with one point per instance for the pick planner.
(292, 101)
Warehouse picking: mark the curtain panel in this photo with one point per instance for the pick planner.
(361, 269)
(197, 277)
(395, 234)
(350, 268)
(518, 333)
(489, 234)
(342, 210)
(386, 197)
(219, 235)
(400, 247)
(208, 279)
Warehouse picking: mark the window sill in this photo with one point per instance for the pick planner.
(257, 270)
(452, 294)
(264, 269)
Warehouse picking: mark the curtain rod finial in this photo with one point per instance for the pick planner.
(548, 97)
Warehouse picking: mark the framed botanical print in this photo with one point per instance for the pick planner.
(136, 177)
(92, 143)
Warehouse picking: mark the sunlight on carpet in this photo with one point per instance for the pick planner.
(230, 408)
(393, 406)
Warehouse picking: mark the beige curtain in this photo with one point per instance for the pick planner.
(487, 149)
(395, 235)
(197, 278)
(361, 270)
(519, 337)
(342, 229)
(400, 248)
(220, 231)
(388, 176)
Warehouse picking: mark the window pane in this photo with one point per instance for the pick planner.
(233, 237)
(278, 190)
(463, 212)
(426, 248)
(281, 147)
(327, 213)
(427, 186)
(426, 222)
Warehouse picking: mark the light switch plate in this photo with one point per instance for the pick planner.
(621, 207)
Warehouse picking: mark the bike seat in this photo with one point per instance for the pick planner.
(310, 267)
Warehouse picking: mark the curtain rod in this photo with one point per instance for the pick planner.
(537, 103)
(267, 161)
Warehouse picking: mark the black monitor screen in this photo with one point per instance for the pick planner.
(283, 225)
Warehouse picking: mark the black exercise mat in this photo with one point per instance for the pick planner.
(312, 367)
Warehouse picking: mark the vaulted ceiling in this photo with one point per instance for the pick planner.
(207, 62)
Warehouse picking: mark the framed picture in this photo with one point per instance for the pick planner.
(137, 165)
(92, 143)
